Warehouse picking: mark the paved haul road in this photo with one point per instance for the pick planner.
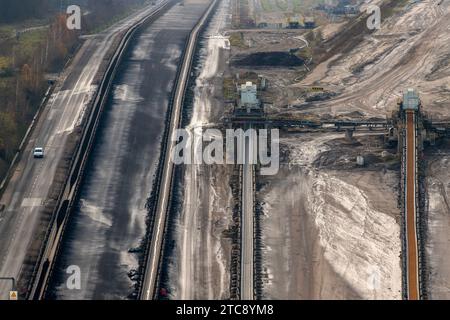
(109, 218)
(29, 187)
(247, 222)
(411, 214)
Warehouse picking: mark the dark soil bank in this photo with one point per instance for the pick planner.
(270, 59)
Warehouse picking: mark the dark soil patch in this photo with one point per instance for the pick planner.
(269, 59)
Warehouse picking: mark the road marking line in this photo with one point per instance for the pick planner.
(31, 202)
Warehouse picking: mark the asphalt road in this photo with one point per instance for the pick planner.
(247, 222)
(411, 214)
(110, 216)
(29, 187)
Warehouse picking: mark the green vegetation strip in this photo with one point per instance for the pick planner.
(297, 5)
(282, 4)
(237, 40)
(266, 5)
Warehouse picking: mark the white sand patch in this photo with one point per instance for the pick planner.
(361, 244)
(95, 213)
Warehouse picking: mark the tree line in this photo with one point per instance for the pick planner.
(26, 59)
(13, 11)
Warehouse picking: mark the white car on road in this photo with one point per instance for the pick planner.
(38, 153)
